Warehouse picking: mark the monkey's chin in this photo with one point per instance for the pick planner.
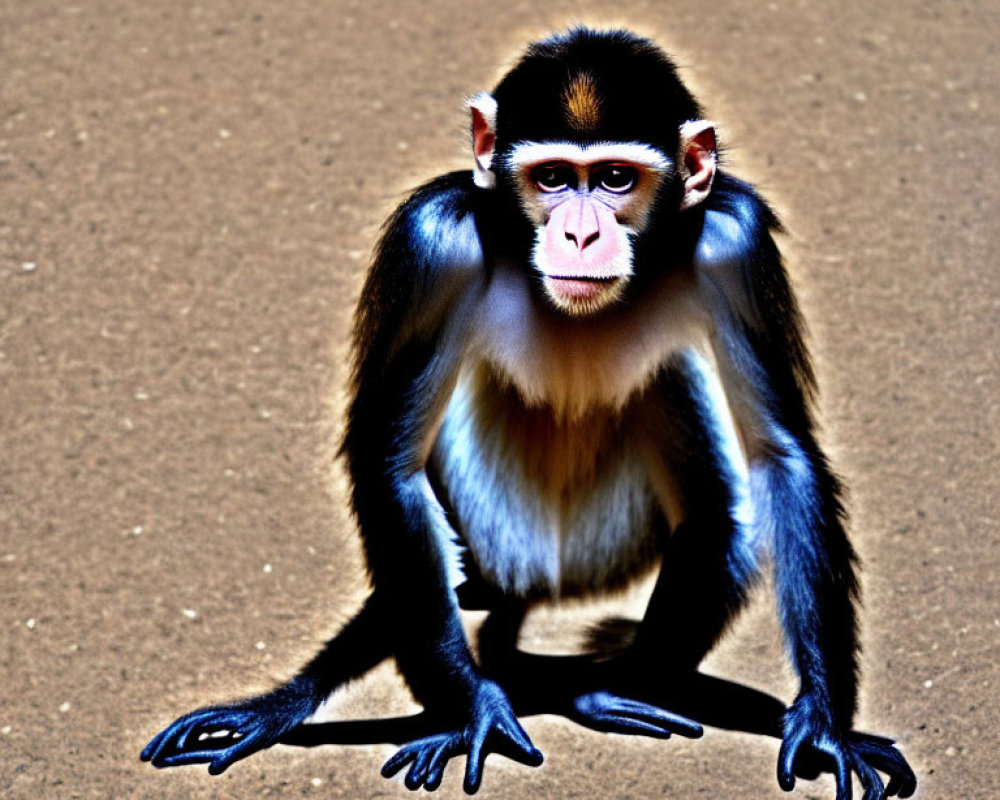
(579, 296)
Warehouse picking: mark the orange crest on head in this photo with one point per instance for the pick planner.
(582, 103)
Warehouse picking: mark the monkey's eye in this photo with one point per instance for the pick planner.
(617, 178)
(553, 177)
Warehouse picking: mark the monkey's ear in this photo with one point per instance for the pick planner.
(484, 120)
(696, 161)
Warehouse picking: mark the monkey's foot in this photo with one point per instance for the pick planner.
(221, 735)
(860, 753)
(493, 728)
(611, 713)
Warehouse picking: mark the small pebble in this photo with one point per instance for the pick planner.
(64, 708)
(29, 266)
(190, 613)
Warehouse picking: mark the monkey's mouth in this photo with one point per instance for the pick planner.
(572, 291)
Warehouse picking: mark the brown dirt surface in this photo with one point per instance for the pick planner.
(188, 196)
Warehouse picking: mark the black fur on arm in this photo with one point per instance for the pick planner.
(408, 337)
(793, 484)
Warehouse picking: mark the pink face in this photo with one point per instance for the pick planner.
(586, 202)
(583, 246)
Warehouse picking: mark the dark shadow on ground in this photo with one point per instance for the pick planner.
(706, 699)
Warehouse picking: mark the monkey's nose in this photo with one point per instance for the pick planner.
(586, 242)
(582, 226)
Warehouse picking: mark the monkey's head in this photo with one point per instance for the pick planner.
(592, 132)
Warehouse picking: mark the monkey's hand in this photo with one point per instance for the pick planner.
(607, 712)
(810, 746)
(492, 727)
(221, 735)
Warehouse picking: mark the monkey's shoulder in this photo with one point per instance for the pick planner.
(737, 260)
(738, 225)
(428, 256)
(435, 227)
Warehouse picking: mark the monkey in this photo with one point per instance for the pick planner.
(576, 363)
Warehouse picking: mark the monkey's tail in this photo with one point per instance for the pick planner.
(610, 637)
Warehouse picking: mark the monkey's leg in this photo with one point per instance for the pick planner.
(223, 734)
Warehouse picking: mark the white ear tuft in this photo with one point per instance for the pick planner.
(484, 120)
(697, 160)
(485, 105)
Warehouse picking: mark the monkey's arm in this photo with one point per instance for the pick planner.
(795, 495)
(413, 326)
(221, 735)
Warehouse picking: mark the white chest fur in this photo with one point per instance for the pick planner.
(545, 504)
(573, 364)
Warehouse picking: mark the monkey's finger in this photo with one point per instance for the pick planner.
(903, 778)
(902, 781)
(661, 718)
(907, 786)
(844, 788)
(435, 770)
(186, 758)
(417, 773)
(786, 758)
(524, 751)
(152, 747)
(620, 723)
(244, 747)
(209, 749)
(885, 757)
(609, 712)
(169, 743)
(870, 739)
(151, 750)
(476, 758)
(404, 755)
(399, 759)
(178, 728)
(660, 726)
(870, 779)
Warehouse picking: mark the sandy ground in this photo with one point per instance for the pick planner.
(188, 196)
